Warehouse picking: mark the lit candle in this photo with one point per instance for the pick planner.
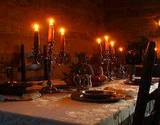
(121, 55)
(155, 49)
(51, 30)
(112, 43)
(99, 41)
(158, 22)
(120, 49)
(62, 32)
(36, 37)
(106, 41)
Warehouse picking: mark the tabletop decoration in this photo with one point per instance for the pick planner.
(63, 56)
(82, 73)
(36, 45)
(49, 60)
(99, 41)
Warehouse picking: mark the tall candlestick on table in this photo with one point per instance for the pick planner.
(51, 30)
(48, 63)
(106, 38)
(99, 41)
(111, 46)
(51, 39)
(36, 45)
(112, 43)
(36, 38)
(62, 32)
(100, 59)
(121, 55)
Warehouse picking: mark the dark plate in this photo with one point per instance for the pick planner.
(98, 94)
(79, 96)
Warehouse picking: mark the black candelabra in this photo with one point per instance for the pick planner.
(111, 64)
(48, 68)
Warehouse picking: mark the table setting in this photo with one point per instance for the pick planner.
(91, 85)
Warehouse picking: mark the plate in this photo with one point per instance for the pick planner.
(98, 94)
(80, 96)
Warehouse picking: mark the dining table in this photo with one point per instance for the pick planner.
(60, 109)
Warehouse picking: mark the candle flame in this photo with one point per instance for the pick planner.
(36, 27)
(99, 40)
(51, 21)
(106, 37)
(112, 43)
(159, 22)
(155, 49)
(121, 49)
(62, 31)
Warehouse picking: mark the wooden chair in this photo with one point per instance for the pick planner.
(143, 94)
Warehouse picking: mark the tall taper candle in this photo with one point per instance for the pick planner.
(51, 30)
(112, 43)
(99, 41)
(106, 38)
(36, 38)
(62, 32)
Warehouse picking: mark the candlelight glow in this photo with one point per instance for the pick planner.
(121, 49)
(36, 27)
(155, 49)
(99, 40)
(112, 43)
(158, 22)
(106, 37)
(51, 21)
(62, 31)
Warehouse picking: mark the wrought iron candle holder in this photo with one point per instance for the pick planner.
(48, 68)
(107, 62)
(112, 66)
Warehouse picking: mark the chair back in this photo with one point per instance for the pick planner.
(145, 83)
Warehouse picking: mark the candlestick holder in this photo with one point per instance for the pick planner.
(48, 68)
(36, 53)
(112, 66)
(107, 63)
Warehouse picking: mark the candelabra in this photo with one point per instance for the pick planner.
(48, 68)
(47, 59)
(107, 63)
(111, 64)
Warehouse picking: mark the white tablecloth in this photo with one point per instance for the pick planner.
(60, 109)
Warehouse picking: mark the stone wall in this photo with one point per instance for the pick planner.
(126, 20)
(82, 19)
